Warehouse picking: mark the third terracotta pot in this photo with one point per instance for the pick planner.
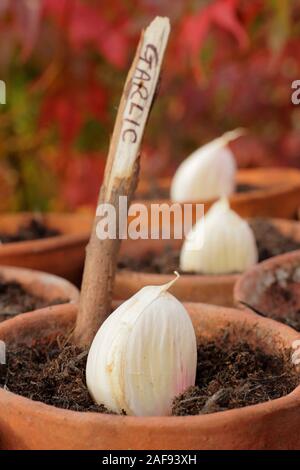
(272, 288)
(27, 424)
(48, 288)
(212, 289)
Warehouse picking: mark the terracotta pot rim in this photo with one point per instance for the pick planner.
(267, 265)
(16, 273)
(253, 195)
(187, 277)
(51, 243)
(275, 260)
(168, 421)
(183, 277)
(40, 244)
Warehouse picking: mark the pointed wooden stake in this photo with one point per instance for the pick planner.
(120, 178)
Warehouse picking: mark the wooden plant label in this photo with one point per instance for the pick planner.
(120, 176)
(137, 100)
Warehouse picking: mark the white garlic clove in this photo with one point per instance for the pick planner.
(208, 173)
(229, 244)
(143, 355)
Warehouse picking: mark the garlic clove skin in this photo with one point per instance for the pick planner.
(143, 355)
(229, 243)
(208, 173)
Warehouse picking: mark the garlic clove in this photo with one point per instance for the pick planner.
(208, 173)
(143, 355)
(229, 244)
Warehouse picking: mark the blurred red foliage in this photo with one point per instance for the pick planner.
(195, 28)
(230, 63)
(85, 173)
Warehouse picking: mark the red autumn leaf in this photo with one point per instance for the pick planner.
(249, 11)
(63, 111)
(224, 15)
(89, 27)
(4, 6)
(82, 178)
(114, 46)
(195, 28)
(96, 100)
(69, 105)
(25, 18)
(58, 9)
(86, 25)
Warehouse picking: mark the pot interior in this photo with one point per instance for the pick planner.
(247, 181)
(63, 223)
(23, 290)
(273, 236)
(273, 289)
(219, 326)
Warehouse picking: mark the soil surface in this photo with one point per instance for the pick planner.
(157, 192)
(154, 192)
(53, 374)
(227, 377)
(235, 376)
(165, 262)
(281, 303)
(35, 229)
(14, 299)
(270, 242)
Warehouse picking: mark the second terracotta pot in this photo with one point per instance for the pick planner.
(212, 289)
(26, 424)
(47, 287)
(276, 193)
(62, 255)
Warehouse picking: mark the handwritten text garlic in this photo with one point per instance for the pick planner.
(143, 355)
(207, 173)
(227, 244)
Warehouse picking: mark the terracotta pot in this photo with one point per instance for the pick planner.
(25, 424)
(212, 289)
(62, 255)
(43, 285)
(252, 286)
(278, 197)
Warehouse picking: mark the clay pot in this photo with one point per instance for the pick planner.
(62, 255)
(212, 289)
(253, 287)
(25, 424)
(278, 196)
(43, 285)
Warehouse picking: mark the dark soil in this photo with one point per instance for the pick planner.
(35, 229)
(14, 299)
(227, 377)
(246, 188)
(282, 304)
(233, 376)
(157, 192)
(53, 374)
(270, 242)
(165, 262)
(154, 192)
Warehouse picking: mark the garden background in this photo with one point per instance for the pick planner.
(230, 63)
